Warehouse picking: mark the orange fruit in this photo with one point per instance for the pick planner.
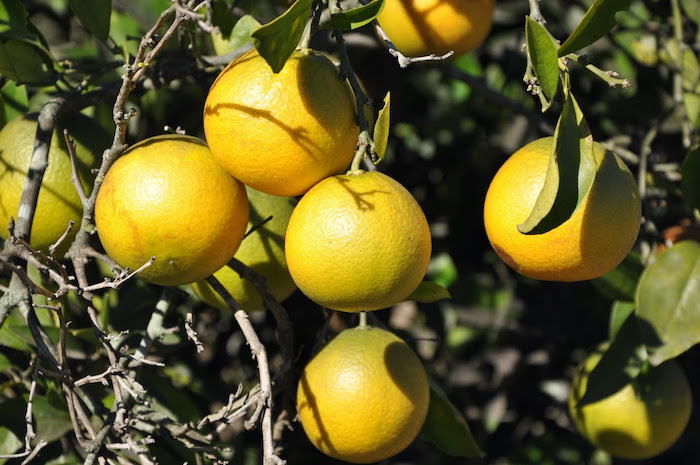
(639, 421)
(363, 397)
(596, 238)
(167, 197)
(262, 250)
(58, 201)
(358, 242)
(281, 133)
(423, 27)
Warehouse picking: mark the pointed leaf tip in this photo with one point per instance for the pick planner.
(429, 292)
(277, 40)
(445, 427)
(381, 129)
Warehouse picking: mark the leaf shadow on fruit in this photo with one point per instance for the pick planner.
(422, 26)
(612, 207)
(620, 362)
(298, 134)
(359, 197)
(402, 373)
(324, 443)
(321, 99)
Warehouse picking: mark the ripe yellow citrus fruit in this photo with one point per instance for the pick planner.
(281, 133)
(168, 197)
(262, 250)
(596, 238)
(637, 422)
(422, 27)
(358, 242)
(363, 397)
(58, 201)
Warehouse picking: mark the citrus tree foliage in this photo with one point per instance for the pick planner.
(98, 367)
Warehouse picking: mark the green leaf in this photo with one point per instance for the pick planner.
(277, 40)
(381, 128)
(238, 37)
(542, 50)
(5, 363)
(446, 428)
(599, 19)
(667, 300)
(13, 21)
(9, 443)
(691, 102)
(619, 364)
(429, 292)
(13, 101)
(51, 418)
(621, 283)
(241, 32)
(21, 332)
(25, 62)
(619, 313)
(692, 9)
(94, 15)
(690, 178)
(570, 173)
(356, 17)
(8, 338)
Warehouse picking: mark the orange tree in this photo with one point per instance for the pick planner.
(98, 366)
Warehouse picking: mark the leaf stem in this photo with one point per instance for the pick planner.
(611, 77)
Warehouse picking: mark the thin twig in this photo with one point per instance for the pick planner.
(402, 59)
(258, 351)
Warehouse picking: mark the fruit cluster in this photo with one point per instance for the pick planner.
(354, 242)
(178, 209)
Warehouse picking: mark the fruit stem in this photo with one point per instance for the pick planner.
(363, 143)
(363, 320)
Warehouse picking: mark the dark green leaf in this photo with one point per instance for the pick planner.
(66, 459)
(381, 128)
(22, 333)
(9, 444)
(51, 418)
(667, 300)
(357, 17)
(599, 19)
(570, 173)
(618, 315)
(542, 50)
(222, 18)
(25, 62)
(429, 292)
(690, 180)
(446, 427)
(277, 40)
(124, 30)
(619, 364)
(94, 15)
(5, 363)
(621, 283)
(9, 338)
(13, 20)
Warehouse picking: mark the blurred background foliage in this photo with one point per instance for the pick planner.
(504, 347)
